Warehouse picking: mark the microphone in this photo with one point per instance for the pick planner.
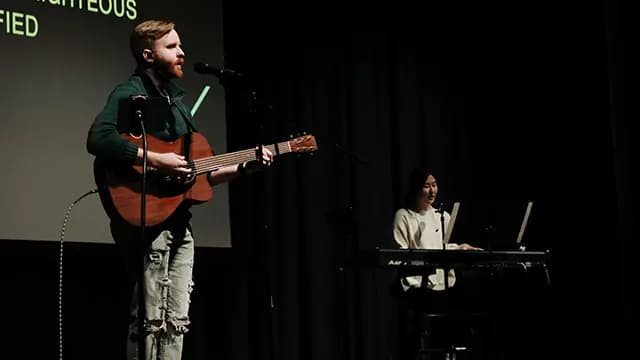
(139, 103)
(203, 68)
(440, 208)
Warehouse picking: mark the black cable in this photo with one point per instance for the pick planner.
(64, 228)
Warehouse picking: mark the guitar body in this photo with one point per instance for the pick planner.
(119, 185)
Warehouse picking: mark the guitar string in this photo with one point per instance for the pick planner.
(221, 160)
(210, 164)
(234, 158)
(216, 161)
(244, 155)
(228, 159)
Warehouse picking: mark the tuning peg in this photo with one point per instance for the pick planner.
(290, 136)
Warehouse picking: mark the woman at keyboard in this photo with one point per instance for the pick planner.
(419, 224)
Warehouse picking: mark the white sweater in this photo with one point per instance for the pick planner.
(422, 230)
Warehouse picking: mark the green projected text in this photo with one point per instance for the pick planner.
(118, 8)
(13, 22)
(17, 23)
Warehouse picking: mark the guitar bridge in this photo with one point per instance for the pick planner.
(178, 178)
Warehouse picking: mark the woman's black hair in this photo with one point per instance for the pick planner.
(415, 183)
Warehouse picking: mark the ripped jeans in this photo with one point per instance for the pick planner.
(168, 269)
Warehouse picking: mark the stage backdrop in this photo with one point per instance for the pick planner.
(60, 60)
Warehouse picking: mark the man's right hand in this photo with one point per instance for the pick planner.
(166, 161)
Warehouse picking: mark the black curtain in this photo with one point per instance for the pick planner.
(622, 59)
(506, 102)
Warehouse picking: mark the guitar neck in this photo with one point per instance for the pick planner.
(211, 163)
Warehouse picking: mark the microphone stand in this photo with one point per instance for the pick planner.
(265, 228)
(138, 103)
(444, 245)
(343, 223)
(226, 78)
(254, 106)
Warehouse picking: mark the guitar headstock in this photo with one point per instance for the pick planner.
(304, 143)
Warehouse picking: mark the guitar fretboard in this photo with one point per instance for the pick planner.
(211, 163)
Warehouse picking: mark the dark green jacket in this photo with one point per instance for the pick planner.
(116, 118)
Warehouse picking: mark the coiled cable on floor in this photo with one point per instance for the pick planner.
(62, 231)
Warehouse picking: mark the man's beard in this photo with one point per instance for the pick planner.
(172, 70)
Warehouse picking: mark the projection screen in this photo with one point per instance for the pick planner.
(59, 61)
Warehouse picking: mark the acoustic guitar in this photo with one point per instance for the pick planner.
(120, 186)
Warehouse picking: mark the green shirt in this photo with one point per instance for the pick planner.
(104, 139)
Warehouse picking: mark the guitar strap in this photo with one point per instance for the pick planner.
(152, 87)
(191, 130)
(187, 144)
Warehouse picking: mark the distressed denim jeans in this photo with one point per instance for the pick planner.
(168, 269)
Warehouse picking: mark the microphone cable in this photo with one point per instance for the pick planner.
(64, 227)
